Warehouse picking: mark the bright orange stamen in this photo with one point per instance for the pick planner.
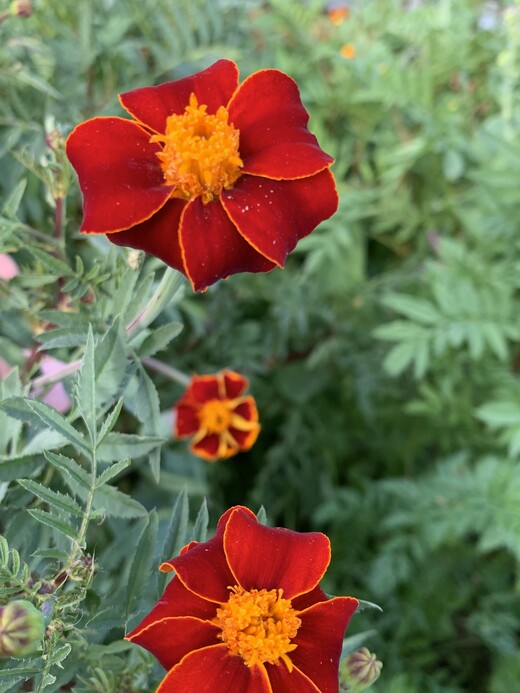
(200, 154)
(259, 626)
(215, 416)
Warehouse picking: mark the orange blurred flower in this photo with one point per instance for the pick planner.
(348, 51)
(216, 415)
(338, 14)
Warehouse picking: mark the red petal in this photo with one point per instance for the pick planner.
(272, 558)
(171, 639)
(158, 235)
(320, 638)
(204, 388)
(204, 570)
(186, 420)
(274, 139)
(176, 601)
(119, 174)
(212, 248)
(207, 448)
(309, 599)
(235, 384)
(273, 215)
(214, 670)
(212, 86)
(294, 682)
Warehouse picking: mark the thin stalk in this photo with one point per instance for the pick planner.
(168, 371)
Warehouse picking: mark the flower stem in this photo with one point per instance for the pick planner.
(168, 371)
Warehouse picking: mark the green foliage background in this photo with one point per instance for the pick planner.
(385, 359)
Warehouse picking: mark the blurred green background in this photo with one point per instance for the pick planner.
(385, 359)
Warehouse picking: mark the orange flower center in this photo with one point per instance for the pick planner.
(259, 626)
(200, 152)
(214, 416)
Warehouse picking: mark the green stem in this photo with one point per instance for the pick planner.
(168, 371)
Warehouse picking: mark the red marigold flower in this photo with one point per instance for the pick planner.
(212, 177)
(244, 612)
(214, 412)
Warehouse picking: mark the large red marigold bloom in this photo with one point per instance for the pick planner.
(211, 176)
(245, 613)
(217, 416)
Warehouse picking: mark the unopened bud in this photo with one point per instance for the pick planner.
(21, 628)
(22, 8)
(359, 671)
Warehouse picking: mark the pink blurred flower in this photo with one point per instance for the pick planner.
(5, 368)
(57, 396)
(8, 267)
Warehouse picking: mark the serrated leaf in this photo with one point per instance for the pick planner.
(114, 503)
(12, 468)
(200, 529)
(38, 414)
(110, 421)
(142, 400)
(119, 445)
(85, 390)
(415, 308)
(62, 337)
(52, 498)
(55, 265)
(47, 518)
(70, 467)
(112, 471)
(142, 563)
(178, 527)
(159, 339)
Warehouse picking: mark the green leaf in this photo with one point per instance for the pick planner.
(70, 468)
(40, 414)
(142, 563)
(119, 445)
(142, 400)
(178, 527)
(51, 263)
(159, 339)
(200, 530)
(110, 421)
(114, 503)
(113, 471)
(52, 498)
(15, 467)
(54, 522)
(418, 309)
(85, 390)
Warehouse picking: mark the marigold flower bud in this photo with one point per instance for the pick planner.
(22, 8)
(21, 628)
(359, 670)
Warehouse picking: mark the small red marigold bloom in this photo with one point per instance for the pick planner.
(244, 613)
(216, 415)
(210, 176)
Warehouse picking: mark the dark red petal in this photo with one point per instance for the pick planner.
(235, 384)
(176, 600)
(171, 639)
(158, 235)
(207, 448)
(273, 215)
(247, 409)
(204, 570)
(186, 420)
(309, 599)
(204, 388)
(271, 558)
(294, 682)
(214, 670)
(212, 86)
(320, 638)
(119, 174)
(274, 139)
(212, 248)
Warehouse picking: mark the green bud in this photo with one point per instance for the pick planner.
(359, 671)
(21, 628)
